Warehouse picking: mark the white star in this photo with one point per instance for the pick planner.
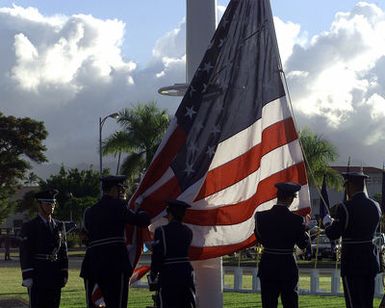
(210, 151)
(192, 90)
(192, 148)
(198, 125)
(215, 130)
(204, 87)
(189, 169)
(190, 112)
(207, 67)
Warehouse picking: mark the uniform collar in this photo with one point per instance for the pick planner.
(358, 193)
(174, 221)
(45, 220)
(280, 205)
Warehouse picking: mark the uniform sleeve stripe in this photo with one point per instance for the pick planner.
(27, 270)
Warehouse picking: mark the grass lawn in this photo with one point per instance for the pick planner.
(73, 293)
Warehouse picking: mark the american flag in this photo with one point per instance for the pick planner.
(233, 137)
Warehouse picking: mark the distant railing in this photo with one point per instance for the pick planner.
(323, 281)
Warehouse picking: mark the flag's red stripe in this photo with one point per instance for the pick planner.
(156, 201)
(202, 253)
(162, 161)
(237, 169)
(303, 212)
(138, 273)
(239, 212)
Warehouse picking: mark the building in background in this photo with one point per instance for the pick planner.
(15, 220)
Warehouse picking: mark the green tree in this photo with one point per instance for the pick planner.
(31, 179)
(319, 154)
(78, 189)
(142, 129)
(21, 141)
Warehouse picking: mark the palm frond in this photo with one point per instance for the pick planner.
(120, 141)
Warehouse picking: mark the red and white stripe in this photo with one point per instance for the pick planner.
(239, 181)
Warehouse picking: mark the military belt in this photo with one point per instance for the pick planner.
(356, 242)
(278, 251)
(168, 261)
(46, 257)
(106, 241)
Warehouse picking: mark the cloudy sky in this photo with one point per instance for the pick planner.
(69, 62)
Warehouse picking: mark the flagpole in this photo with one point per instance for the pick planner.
(200, 27)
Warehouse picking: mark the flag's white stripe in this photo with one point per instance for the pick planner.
(282, 158)
(267, 205)
(168, 175)
(206, 236)
(241, 142)
(303, 199)
(190, 193)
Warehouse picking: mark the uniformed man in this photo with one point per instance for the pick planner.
(356, 221)
(278, 230)
(43, 254)
(170, 265)
(106, 262)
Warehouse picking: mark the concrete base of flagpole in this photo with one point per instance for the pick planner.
(209, 283)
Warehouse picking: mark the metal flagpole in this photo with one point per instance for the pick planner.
(201, 21)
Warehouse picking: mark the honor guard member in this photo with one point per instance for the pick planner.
(356, 221)
(170, 265)
(106, 262)
(278, 230)
(43, 254)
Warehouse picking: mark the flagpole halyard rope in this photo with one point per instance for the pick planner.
(283, 77)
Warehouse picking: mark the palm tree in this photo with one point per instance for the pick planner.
(31, 179)
(319, 153)
(143, 127)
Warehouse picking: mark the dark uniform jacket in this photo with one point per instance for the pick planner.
(278, 230)
(170, 255)
(43, 253)
(356, 221)
(105, 223)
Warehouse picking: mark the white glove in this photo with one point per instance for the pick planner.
(327, 220)
(311, 224)
(27, 283)
(100, 302)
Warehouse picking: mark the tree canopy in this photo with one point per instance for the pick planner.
(319, 154)
(78, 189)
(142, 130)
(21, 141)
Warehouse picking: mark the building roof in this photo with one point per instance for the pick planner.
(366, 170)
(20, 192)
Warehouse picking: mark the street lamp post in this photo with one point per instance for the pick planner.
(114, 115)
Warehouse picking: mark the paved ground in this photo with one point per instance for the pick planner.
(12, 303)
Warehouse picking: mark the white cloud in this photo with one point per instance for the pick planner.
(336, 81)
(69, 70)
(52, 51)
(288, 35)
